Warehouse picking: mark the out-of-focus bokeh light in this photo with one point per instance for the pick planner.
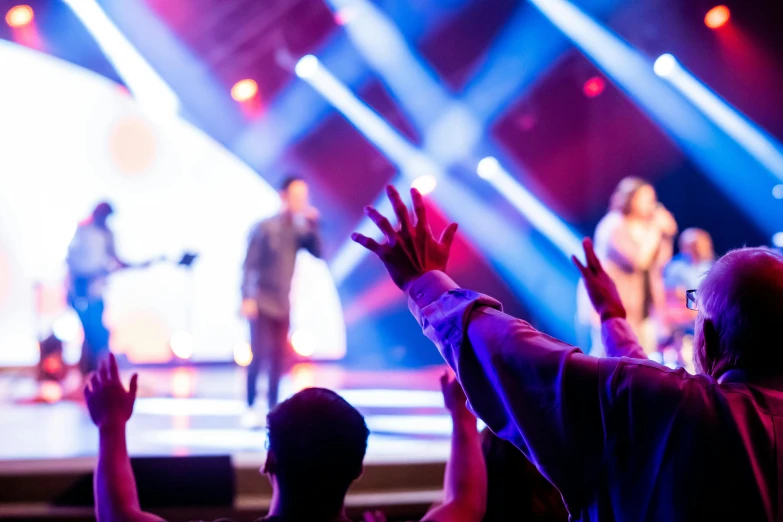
(244, 90)
(777, 191)
(182, 382)
(425, 184)
(777, 240)
(302, 344)
(19, 16)
(488, 167)
(306, 66)
(242, 353)
(51, 391)
(182, 344)
(664, 66)
(717, 17)
(594, 86)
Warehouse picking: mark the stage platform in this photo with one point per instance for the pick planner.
(196, 411)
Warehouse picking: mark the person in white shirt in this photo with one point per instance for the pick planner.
(91, 258)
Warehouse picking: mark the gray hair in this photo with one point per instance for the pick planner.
(743, 298)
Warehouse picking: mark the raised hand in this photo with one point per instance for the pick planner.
(600, 287)
(410, 250)
(455, 400)
(109, 403)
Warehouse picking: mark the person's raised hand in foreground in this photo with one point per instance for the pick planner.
(110, 406)
(465, 482)
(617, 336)
(109, 403)
(600, 287)
(410, 249)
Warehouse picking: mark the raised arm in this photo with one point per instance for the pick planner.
(110, 405)
(527, 387)
(616, 333)
(465, 482)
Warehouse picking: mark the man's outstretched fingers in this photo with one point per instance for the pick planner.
(400, 210)
(420, 211)
(382, 223)
(590, 257)
(367, 242)
(447, 237)
(114, 371)
(579, 266)
(134, 386)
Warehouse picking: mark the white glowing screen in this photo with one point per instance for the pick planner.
(72, 138)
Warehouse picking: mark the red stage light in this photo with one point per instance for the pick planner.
(717, 17)
(244, 90)
(594, 86)
(19, 16)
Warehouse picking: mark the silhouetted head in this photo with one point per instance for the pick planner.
(741, 314)
(295, 194)
(634, 197)
(317, 443)
(101, 213)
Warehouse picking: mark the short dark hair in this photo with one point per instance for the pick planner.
(103, 208)
(319, 442)
(289, 180)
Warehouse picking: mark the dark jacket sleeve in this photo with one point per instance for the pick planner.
(250, 267)
(311, 240)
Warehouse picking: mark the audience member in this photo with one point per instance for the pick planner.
(621, 439)
(634, 240)
(317, 443)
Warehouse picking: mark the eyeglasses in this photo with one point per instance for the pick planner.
(690, 300)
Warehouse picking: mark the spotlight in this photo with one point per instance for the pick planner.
(488, 167)
(182, 344)
(19, 16)
(717, 17)
(302, 344)
(66, 328)
(242, 353)
(425, 184)
(244, 90)
(777, 240)
(665, 64)
(594, 86)
(777, 191)
(306, 66)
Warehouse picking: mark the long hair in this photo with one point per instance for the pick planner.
(622, 197)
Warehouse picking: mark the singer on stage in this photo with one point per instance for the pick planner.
(268, 270)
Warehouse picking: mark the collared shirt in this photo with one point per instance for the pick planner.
(622, 439)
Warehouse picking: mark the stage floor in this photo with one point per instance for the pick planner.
(197, 411)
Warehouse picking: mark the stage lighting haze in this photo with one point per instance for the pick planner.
(717, 17)
(306, 66)
(664, 65)
(19, 16)
(244, 90)
(425, 184)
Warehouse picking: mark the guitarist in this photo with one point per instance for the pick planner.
(91, 258)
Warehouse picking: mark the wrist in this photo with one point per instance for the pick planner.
(112, 428)
(613, 313)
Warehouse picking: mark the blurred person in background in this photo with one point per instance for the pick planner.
(91, 258)
(316, 448)
(266, 286)
(634, 242)
(685, 272)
